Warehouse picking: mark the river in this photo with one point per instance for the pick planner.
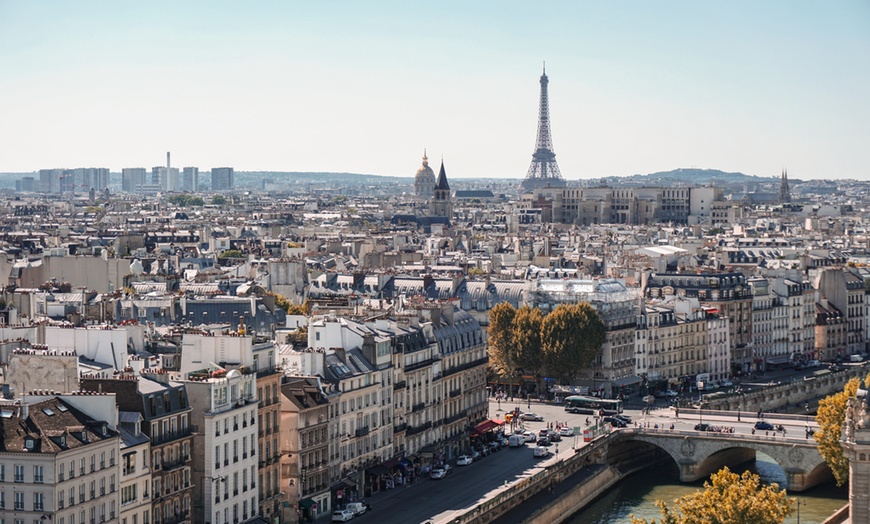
(638, 493)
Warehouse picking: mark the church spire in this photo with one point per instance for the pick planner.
(784, 192)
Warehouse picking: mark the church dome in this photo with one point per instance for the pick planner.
(424, 180)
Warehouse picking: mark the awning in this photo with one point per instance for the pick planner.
(306, 503)
(627, 381)
(498, 422)
(484, 426)
(349, 483)
(778, 359)
(378, 470)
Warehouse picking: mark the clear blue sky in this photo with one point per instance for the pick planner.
(635, 86)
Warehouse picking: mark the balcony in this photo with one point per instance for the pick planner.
(399, 385)
(413, 430)
(361, 432)
(170, 437)
(463, 367)
(454, 418)
(419, 365)
(398, 428)
(455, 393)
(418, 407)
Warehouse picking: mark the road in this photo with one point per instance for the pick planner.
(465, 486)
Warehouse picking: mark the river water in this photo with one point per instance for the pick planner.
(637, 495)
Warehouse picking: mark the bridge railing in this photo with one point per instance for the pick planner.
(747, 415)
(792, 439)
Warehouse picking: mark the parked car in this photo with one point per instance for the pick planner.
(358, 508)
(494, 446)
(438, 473)
(554, 436)
(533, 417)
(763, 426)
(475, 455)
(342, 515)
(528, 436)
(541, 452)
(702, 427)
(464, 460)
(624, 418)
(615, 422)
(543, 441)
(567, 432)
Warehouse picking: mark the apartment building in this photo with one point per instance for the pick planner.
(166, 421)
(135, 469)
(305, 447)
(60, 459)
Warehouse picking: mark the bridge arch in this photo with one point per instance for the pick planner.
(699, 454)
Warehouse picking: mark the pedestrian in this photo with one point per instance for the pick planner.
(738, 416)
(753, 431)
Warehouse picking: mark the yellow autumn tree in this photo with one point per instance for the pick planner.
(830, 417)
(727, 498)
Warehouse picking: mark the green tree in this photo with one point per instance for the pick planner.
(232, 253)
(571, 336)
(727, 498)
(218, 200)
(499, 332)
(830, 417)
(526, 351)
(186, 200)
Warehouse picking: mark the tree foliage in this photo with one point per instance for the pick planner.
(218, 200)
(501, 318)
(526, 341)
(727, 498)
(571, 336)
(830, 417)
(232, 253)
(186, 200)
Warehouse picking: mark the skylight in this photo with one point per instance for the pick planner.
(62, 408)
(48, 412)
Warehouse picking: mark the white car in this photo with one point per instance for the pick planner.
(438, 473)
(464, 460)
(358, 508)
(534, 417)
(566, 432)
(529, 436)
(541, 452)
(342, 515)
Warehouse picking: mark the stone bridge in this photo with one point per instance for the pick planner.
(700, 454)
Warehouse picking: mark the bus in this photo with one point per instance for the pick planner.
(592, 405)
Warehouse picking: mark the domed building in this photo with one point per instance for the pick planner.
(424, 181)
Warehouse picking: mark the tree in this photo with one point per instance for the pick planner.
(526, 351)
(727, 498)
(232, 253)
(500, 329)
(571, 336)
(218, 200)
(830, 417)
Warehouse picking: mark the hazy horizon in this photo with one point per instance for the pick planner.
(635, 87)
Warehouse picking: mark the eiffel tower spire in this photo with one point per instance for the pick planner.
(544, 170)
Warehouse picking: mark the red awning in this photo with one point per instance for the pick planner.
(498, 422)
(484, 426)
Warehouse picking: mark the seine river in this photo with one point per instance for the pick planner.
(638, 493)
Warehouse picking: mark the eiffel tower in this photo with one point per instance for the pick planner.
(544, 170)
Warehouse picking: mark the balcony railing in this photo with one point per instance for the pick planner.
(361, 432)
(418, 407)
(413, 430)
(455, 393)
(463, 367)
(398, 428)
(399, 385)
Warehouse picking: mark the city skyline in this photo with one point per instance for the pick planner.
(635, 88)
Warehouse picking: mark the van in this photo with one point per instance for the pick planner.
(516, 440)
(856, 358)
(358, 508)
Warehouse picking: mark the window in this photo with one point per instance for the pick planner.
(38, 474)
(2, 500)
(112, 458)
(217, 457)
(93, 463)
(103, 460)
(60, 472)
(19, 500)
(38, 501)
(19, 473)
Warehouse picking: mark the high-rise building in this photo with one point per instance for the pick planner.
(190, 179)
(132, 178)
(222, 178)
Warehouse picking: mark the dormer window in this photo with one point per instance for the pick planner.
(29, 444)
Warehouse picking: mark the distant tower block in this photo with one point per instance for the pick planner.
(544, 170)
